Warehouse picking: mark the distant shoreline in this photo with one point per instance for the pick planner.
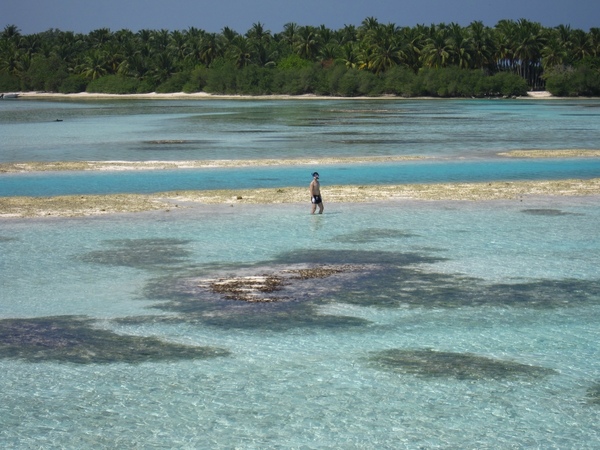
(206, 96)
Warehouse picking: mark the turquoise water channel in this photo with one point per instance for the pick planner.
(424, 324)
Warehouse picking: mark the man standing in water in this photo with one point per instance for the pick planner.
(315, 194)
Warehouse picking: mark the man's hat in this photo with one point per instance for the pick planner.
(315, 174)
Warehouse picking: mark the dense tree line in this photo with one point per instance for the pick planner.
(371, 59)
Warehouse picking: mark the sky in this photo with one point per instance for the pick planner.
(83, 16)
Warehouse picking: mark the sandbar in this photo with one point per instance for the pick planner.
(57, 166)
(41, 166)
(91, 205)
(559, 153)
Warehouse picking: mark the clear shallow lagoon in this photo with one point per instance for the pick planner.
(149, 181)
(134, 130)
(459, 325)
(511, 281)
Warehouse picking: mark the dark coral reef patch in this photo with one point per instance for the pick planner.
(74, 339)
(371, 235)
(277, 298)
(593, 395)
(140, 253)
(428, 363)
(548, 212)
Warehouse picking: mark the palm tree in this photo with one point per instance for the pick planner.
(367, 26)
(260, 39)
(482, 46)
(10, 57)
(177, 47)
(210, 48)
(326, 36)
(386, 48)
(460, 46)
(348, 34)
(32, 44)
(162, 67)
(228, 36)
(504, 35)
(11, 33)
(437, 52)
(554, 53)
(258, 35)
(307, 43)
(241, 51)
(594, 38)
(412, 42)
(289, 35)
(94, 65)
(113, 57)
(365, 56)
(580, 45)
(349, 55)
(528, 50)
(562, 34)
(69, 47)
(136, 66)
(97, 38)
(386, 56)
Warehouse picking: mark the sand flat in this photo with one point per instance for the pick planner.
(57, 166)
(559, 153)
(90, 205)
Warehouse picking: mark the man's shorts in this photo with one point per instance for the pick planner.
(316, 199)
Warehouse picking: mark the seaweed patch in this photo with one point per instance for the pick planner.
(372, 235)
(140, 253)
(73, 339)
(429, 363)
(281, 317)
(593, 395)
(413, 287)
(548, 212)
(332, 256)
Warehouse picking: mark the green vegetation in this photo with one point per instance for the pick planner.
(373, 59)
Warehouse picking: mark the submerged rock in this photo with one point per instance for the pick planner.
(249, 289)
(277, 285)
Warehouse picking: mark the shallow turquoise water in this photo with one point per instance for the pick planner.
(101, 182)
(304, 379)
(251, 129)
(512, 285)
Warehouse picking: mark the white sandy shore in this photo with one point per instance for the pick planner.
(204, 95)
(88, 205)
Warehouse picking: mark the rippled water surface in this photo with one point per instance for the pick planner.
(252, 129)
(419, 325)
